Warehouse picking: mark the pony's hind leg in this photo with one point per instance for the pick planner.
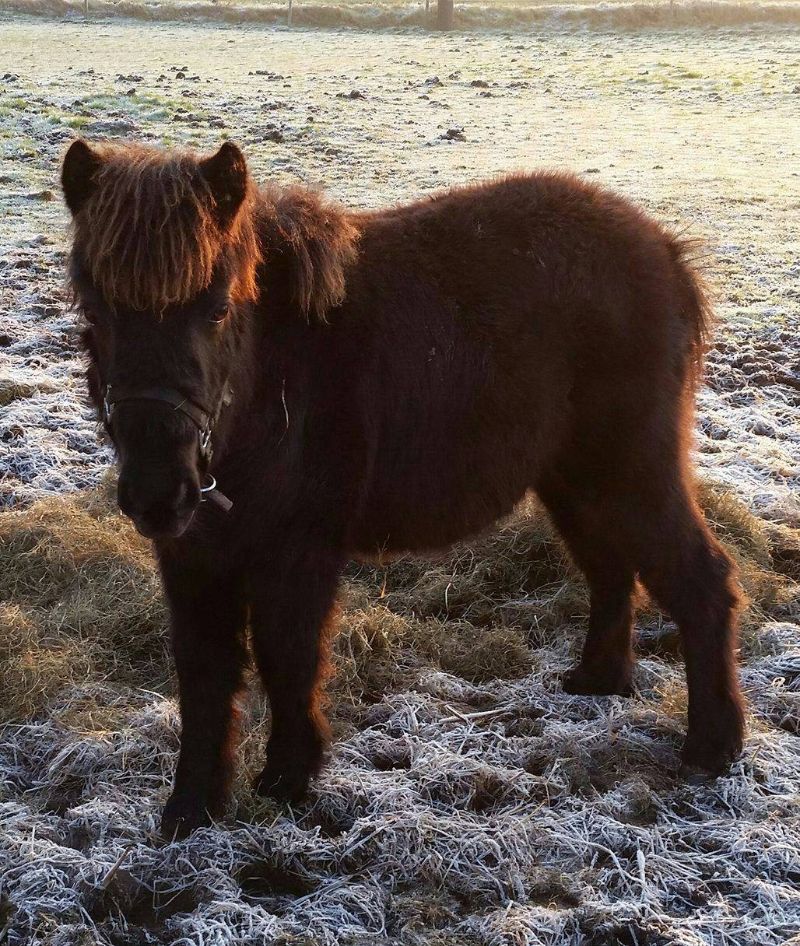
(655, 529)
(606, 664)
(690, 576)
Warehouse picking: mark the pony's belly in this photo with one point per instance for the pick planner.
(392, 529)
(446, 475)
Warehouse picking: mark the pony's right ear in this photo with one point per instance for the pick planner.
(77, 174)
(226, 175)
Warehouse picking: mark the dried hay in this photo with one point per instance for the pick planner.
(81, 602)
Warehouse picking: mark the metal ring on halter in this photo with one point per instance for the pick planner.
(209, 488)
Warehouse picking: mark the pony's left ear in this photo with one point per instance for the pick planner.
(81, 163)
(226, 175)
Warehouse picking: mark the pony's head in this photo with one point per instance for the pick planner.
(163, 267)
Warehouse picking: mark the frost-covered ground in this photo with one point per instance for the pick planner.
(701, 127)
(492, 812)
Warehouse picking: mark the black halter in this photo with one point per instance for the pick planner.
(203, 420)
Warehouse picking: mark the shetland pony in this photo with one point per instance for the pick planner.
(361, 384)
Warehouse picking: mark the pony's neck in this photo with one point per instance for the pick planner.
(240, 380)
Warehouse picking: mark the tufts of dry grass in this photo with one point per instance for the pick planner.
(479, 612)
(14, 389)
(378, 650)
(518, 576)
(763, 554)
(80, 602)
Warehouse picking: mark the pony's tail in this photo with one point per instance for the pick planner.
(687, 253)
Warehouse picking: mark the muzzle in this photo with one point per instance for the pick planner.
(204, 421)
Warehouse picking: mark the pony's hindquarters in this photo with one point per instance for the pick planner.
(620, 491)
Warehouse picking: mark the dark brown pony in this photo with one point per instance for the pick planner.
(373, 383)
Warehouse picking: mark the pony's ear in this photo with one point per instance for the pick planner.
(77, 174)
(225, 173)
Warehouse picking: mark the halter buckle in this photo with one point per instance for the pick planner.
(205, 442)
(108, 407)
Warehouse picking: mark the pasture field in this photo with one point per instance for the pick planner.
(468, 800)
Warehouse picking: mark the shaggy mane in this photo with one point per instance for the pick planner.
(149, 234)
(314, 240)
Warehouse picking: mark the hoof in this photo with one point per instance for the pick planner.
(693, 775)
(713, 746)
(705, 763)
(181, 816)
(580, 681)
(282, 784)
(291, 764)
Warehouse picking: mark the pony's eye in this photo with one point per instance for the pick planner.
(89, 315)
(219, 316)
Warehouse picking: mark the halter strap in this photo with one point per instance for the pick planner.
(197, 414)
(203, 419)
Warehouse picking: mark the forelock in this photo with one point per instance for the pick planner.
(147, 235)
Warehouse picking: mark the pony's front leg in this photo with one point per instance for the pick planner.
(291, 604)
(208, 621)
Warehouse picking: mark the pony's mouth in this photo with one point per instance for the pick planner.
(160, 528)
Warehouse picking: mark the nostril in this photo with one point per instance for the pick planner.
(188, 495)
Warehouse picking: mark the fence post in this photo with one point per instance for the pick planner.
(444, 14)
(288, 16)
